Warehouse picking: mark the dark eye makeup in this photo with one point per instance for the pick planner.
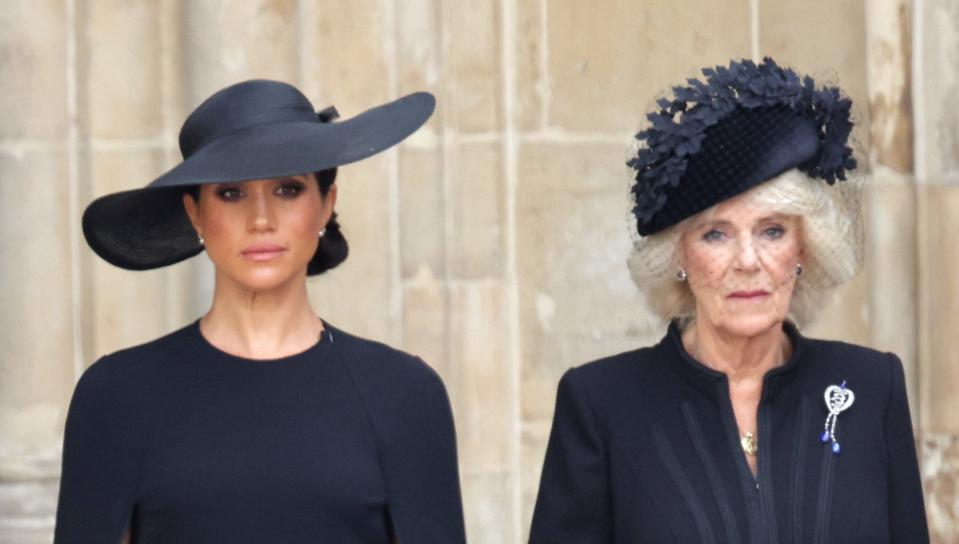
(287, 188)
(229, 192)
(290, 188)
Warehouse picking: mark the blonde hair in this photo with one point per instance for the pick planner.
(832, 240)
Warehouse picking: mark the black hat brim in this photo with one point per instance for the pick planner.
(148, 228)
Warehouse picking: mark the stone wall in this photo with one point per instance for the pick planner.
(493, 242)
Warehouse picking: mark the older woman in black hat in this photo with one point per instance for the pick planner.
(260, 422)
(735, 428)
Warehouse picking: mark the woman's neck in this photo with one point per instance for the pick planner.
(739, 357)
(265, 324)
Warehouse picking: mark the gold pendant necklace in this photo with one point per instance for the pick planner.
(749, 444)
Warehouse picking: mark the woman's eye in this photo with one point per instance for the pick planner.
(774, 232)
(713, 235)
(289, 190)
(229, 193)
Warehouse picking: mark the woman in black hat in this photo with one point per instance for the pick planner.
(735, 428)
(259, 422)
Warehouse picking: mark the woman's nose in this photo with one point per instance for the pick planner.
(261, 214)
(746, 258)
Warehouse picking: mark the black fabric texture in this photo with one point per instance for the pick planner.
(644, 449)
(348, 442)
(749, 147)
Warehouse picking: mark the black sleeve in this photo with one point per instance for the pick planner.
(102, 450)
(573, 502)
(907, 515)
(411, 414)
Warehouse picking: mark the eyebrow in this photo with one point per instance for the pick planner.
(718, 222)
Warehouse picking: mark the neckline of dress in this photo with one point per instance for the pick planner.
(699, 369)
(326, 339)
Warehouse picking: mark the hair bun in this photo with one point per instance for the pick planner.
(331, 251)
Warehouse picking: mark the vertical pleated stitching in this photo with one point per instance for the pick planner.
(767, 495)
(715, 483)
(825, 497)
(682, 483)
(799, 456)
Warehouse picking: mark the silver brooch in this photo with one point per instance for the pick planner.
(838, 399)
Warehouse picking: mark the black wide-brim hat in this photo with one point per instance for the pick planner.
(257, 129)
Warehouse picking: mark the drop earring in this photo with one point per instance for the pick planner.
(798, 270)
(200, 238)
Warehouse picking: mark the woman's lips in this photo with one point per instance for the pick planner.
(748, 294)
(263, 252)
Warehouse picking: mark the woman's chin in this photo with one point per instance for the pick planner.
(264, 278)
(751, 323)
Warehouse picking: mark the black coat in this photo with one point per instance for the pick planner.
(348, 442)
(645, 449)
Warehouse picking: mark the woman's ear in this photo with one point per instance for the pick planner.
(190, 206)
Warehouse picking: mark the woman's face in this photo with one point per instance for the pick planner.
(741, 262)
(261, 233)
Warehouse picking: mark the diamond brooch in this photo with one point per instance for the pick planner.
(838, 399)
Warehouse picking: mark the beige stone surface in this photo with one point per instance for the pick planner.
(940, 375)
(939, 80)
(348, 64)
(419, 53)
(893, 263)
(471, 47)
(36, 294)
(488, 507)
(476, 198)
(24, 510)
(231, 41)
(481, 376)
(577, 302)
(33, 68)
(531, 87)
(422, 211)
(826, 40)
(122, 76)
(426, 308)
(939, 461)
(889, 70)
(608, 61)
(38, 339)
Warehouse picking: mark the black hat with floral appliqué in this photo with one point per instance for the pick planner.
(744, 125)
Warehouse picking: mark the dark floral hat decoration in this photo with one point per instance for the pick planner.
(743, 125)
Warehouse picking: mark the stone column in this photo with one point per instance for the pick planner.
(936, 92)
(39, 229)
(891, 191)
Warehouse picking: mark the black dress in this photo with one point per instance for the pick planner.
(645, 449)
(348, 442)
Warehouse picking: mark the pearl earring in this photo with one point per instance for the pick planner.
(681, 275)
(200, 237)
(322, 232)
